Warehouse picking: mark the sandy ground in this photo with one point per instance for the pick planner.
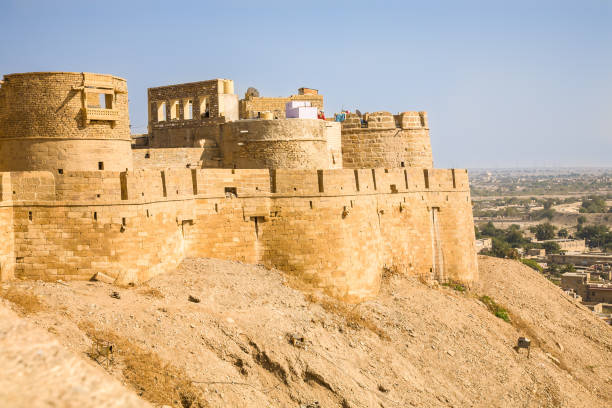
(571, 208)
(254, 341)
(37, 371)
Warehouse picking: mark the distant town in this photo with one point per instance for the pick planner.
(556, 221)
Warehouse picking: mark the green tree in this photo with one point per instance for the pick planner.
(568, 268)
(593, 204)
(563, 233)
(554, 269)
(489, 230)
(581, 220)
(514, 236)
(501, 249)
(551, 247)
(595, 235)
(548, 204)
(544, 231)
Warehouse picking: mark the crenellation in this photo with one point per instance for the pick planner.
(330, 202)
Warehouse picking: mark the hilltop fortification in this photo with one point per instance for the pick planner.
(73, 202)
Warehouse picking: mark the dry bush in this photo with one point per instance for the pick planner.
(349, 312)
(25, 301)
(392, 271)
(153, 379)
(331, 305)
(151, 292)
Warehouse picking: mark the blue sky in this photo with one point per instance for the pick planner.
(505, 83)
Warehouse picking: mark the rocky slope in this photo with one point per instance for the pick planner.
(250, 338)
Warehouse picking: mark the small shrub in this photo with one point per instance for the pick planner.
(494, 308)
(156, 380)
(532, 264)
(459, 287)
(25, 302)
(349, 312)
(152, 292)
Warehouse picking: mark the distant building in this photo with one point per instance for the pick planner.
(589, 291)
(580, 259)
(575, 281)
(568, 245)
(253, 106)
(536, 252)
(483, 244)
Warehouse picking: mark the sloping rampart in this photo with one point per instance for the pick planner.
(336, 229)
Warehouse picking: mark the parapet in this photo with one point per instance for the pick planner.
(141, 186)
(410, 120)
(385, 120)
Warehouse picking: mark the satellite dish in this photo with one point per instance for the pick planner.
(358, 112)
(251, 92)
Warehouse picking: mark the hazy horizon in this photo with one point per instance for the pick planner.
(520, 85)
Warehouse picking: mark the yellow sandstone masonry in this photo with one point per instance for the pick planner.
(72, 204)
(336, 229)
(64, 121)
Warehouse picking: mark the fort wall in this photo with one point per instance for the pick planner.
(64, 120)
(336, 229)
(286, 143)
(386, 140)
(208, 156)
(7, 234)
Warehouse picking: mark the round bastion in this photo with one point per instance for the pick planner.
(277, 143)
(60, 121)
(381, 139)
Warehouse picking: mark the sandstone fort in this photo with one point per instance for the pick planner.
(258, 180)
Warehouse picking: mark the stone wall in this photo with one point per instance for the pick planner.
(180, 134)
(285, 143)
(55, 120)
(335, 229)
(7, 233)
(208, 156)
(387, 141)
(252, 105)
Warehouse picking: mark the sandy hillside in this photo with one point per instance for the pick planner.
(254, 341)
(37, 371)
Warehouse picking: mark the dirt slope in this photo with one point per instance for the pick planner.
(253, 341)
(36, 371)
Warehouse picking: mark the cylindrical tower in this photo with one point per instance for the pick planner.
(380, 139)
(278, 143)
(415, 133)
(60, 121)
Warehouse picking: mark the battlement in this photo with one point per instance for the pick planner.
(385, 120)
(331, 203)
(141, 186)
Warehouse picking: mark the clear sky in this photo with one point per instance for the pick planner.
(505, 83)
